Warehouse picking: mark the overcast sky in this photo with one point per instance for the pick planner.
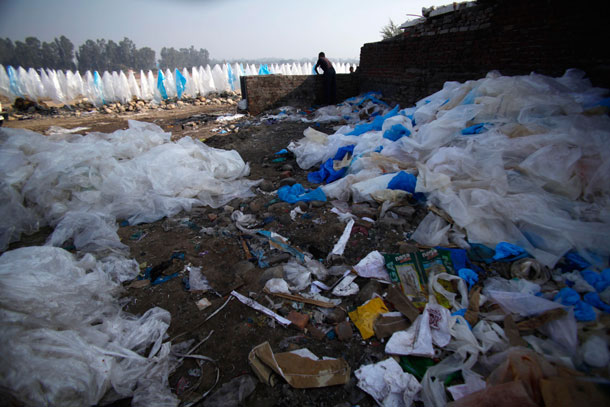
(228, 29)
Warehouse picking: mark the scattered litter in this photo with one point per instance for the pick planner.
(340, 245)
(253, 304)
(203, 304)
(197, 281)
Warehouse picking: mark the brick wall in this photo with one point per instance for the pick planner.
(269, 91)
(515, 37)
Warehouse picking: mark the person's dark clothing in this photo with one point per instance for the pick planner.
(330, 80)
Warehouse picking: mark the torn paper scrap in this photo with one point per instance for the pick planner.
(340, 245)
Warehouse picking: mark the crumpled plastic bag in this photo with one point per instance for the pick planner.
(432, 231)
(431, 327)
(388, 384)
(297, 276)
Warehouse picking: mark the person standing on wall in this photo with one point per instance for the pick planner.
(330, 81)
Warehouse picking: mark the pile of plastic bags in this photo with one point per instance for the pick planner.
(519, 159)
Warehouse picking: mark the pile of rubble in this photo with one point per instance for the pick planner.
(23, 109)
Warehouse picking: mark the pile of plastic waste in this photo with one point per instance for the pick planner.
(514, 170)
(66, 339)
(108, 87)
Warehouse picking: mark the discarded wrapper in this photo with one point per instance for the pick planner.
(364, 316)
(301, 372)
(203, 304)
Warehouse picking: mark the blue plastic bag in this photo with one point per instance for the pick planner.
(509, 252)
(404, 181)
(180, 83)
(598, 280)
(582, 310)
(396, 131)
(296, 193)
(468, 275)
(327, 173)
(594, 300)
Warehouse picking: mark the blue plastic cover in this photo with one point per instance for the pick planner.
(327, 173)
(264, 70)
(396, 131)
(231, 76)
(13, 81)
(99, 87)
(160, 85)
(180, 83)
(295, 193)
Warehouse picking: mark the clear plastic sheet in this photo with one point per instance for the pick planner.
(66, 340)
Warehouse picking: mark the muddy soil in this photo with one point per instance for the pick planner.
(207, 238)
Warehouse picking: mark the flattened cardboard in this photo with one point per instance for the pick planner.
(299, 371)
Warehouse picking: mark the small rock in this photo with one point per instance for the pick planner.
(344, 331)
(404, 211)
(287, 167)
(288, 181)
(367, 291)
(256, 205)
(285, 174)
(303, 205)
(299, 320)
(317, 204)
(280, 207)
(267, 186)
(228, 209)
(271, 272)
(336, 316)
(364, 210)
(315, 332)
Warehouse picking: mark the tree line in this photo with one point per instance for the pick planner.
(99, 55)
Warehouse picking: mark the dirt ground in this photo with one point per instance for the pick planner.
(207, 238)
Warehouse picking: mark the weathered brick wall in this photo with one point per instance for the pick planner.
(269, 91)
(515, 37)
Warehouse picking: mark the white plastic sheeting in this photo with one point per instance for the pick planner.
(65, 339)
(70, 181)
(536, 176)
(107, 87)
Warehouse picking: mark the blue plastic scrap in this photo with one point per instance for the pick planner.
(264, 70)
(295, 193)
(475, 129)
(509, 252)
(375, 125)
(582, 310)
(283, 245)
(396, 132)
(600, 281)
(282, 151)
(468, 275)
(327, 172)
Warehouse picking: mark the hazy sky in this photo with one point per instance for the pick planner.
(228, 29)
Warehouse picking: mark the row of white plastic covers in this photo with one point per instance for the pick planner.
(66, 86)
